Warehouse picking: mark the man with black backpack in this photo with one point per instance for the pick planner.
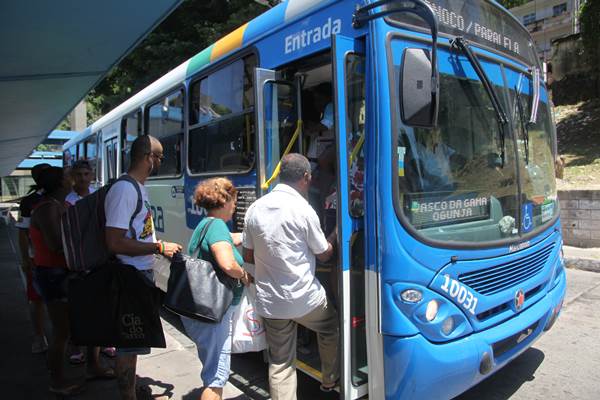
(130, 235)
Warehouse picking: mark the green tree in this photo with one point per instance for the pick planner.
(589, 18)
(513, 3)
(192, 27)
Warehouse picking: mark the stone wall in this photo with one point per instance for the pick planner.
(580, 217)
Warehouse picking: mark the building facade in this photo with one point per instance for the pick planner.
(547, 20)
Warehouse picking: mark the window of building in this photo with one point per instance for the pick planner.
(164, 120)
(529, 19)
(559, 9)
(221, 118)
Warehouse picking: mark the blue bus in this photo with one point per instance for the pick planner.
(436, 166)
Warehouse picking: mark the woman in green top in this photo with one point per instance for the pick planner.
(213, 340)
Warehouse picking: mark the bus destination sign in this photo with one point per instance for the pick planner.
(480, 22)
(429, 210)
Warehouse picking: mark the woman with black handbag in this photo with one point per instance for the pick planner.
(212, 241)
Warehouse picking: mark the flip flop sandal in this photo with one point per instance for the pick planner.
(68, 390)
(106, 374)
(109, 352)
(77, 358)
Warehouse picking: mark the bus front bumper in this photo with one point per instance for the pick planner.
(416, 368)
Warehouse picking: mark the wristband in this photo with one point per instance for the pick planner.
(161, 248)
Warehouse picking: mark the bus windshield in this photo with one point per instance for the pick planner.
(536, 151)
(453, 182)
(473, 179)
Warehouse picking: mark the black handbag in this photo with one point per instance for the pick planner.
(115, 305)
(198, 289)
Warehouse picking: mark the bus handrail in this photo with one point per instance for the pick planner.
(356, 149)
(265, 185)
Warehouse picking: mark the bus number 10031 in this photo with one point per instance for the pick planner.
(458, 291)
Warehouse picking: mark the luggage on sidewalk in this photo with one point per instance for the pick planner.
(83, 227)
(115, 305)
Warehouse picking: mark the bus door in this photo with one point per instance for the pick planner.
(348, 61)
(279, 124)
(111, 151)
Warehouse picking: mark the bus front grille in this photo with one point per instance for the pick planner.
(494, 279)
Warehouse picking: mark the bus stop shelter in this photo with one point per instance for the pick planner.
(53, 53)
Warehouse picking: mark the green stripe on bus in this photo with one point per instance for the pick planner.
(199, 60)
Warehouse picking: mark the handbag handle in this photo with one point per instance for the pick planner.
(203, 234)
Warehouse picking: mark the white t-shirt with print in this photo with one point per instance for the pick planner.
(285, 234)
(120, 204)
(74, 197)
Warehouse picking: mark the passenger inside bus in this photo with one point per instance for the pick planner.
(319, 118)
(435, 162)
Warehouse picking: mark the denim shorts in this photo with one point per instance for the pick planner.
(51, 283)
(213, 342)
(137, 351)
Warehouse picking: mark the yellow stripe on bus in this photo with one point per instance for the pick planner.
(228, 43)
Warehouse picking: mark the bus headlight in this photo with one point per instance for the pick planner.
(432, 310)
(448, 325)
(437, 318)
(411, 295)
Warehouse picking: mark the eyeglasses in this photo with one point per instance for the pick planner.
(159, 156)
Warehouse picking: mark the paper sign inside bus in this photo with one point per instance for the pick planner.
(428, 210)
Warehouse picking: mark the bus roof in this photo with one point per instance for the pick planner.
(251, 32)
(245, 35)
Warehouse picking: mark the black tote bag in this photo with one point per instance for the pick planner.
(198, 289)
(115, 305)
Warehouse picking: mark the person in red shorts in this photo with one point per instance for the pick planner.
(36, 306)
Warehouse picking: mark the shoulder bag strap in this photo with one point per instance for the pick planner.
(204, 233)
(138, 207)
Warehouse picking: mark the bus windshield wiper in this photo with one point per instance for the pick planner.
(535, 100)
(524, 124)
(463, 46)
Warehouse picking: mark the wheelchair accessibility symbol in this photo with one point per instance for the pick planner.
(527, 218)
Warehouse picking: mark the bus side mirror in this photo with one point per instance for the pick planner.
(418, 88)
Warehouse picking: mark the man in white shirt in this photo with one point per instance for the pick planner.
(82, 174)
(135, 246)
(282, 236)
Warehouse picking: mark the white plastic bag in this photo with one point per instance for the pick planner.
(248, 327)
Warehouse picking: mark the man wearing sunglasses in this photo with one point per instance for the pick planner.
(135, 246)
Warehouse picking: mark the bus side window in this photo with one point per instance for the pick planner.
(164, 121)
(221, 137)
(131, 127)
(91, 152)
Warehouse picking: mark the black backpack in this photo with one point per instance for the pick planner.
(83, 229)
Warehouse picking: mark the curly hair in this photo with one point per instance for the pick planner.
(214, 193)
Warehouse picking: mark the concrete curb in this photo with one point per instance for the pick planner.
(583, 264)
(583, 259)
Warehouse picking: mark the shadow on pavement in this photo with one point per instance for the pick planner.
(159, 388)
(508, 380)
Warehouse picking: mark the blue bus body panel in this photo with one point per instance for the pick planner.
(311, 35)
(193, 213)
(416, 368)
(420, 362)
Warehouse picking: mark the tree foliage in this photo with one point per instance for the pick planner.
(589, 17)
(512, 3)
(195, 25)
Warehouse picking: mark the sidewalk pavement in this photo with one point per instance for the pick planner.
(584, 259)
(174, 371)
